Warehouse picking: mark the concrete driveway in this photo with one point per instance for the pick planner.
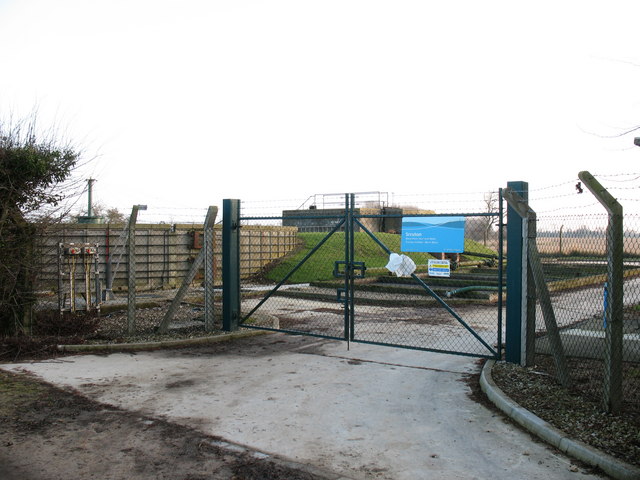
(367, 412)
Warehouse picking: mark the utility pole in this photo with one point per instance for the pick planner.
(89, 218)
(90, 182)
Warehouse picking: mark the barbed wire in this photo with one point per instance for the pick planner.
(563, 195)
(573, 216)
(569, 182)
(624, 188)
(637, 176)
(565, 207)
(165, 207)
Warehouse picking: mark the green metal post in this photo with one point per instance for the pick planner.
(230, 264)
(516, 278)
(500, 270)
(532, 274)
(350, 276)
(347, 255)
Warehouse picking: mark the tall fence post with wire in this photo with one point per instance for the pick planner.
(613, 296)
(131, 251)
(204, 256)
(591, 265)
(533, 271)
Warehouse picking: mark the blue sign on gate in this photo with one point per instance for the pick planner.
(433, 234)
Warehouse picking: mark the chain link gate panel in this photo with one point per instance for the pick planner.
(457, 311)
(282, 289)
(332, 282)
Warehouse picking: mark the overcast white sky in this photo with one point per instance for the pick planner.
(188, 102)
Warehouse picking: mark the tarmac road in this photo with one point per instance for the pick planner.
(368, 412)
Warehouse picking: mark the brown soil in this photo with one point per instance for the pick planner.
(47, 433)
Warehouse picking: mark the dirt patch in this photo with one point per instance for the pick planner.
(51, 330)
(180, 384)
(49, 433)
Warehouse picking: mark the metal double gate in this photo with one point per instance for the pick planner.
(329, 279)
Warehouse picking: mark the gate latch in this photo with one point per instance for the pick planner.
(336, 268)
(357, 269)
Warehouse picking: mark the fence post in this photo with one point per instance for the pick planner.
(614, 309)
(209, 271)
(533, 274)
(516, 278)
(230, 264)
(107, 294)
(206, 256)
(131, 287)
(532, 294)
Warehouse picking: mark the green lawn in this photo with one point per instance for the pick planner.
(320, 265)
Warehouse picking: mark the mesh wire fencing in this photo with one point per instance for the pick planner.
(311, 294)
(308, 290)
(277, 293)
(167, 279)
(455, 313)
(276, 235)
(573, 249)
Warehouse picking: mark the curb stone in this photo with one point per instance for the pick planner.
(576, 449)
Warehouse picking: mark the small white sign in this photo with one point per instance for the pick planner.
(439, 268)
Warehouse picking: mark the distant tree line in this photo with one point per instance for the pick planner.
(584, 232)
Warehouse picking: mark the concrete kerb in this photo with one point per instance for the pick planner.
(610, 465)
(131, 347)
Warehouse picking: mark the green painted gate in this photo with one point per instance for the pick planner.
(332, 282)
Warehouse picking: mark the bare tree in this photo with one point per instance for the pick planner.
(109, 214)
(491, 206)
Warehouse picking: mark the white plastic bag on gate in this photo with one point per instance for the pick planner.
(407, 267)
(394, 262)
(401, 265)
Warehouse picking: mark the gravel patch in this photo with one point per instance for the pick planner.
(188, 322)
(576, 411)
(108, 328)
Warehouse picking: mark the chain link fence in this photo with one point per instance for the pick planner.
(178, 289)
(170, 287)
(573, 249)
(132, 294)
(309, 291)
